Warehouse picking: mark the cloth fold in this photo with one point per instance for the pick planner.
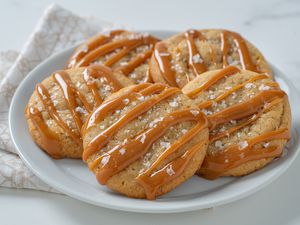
(57, 29)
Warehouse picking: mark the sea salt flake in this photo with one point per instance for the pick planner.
(103, 79)
(226, 161)
(133, 75)
(233, 122)
(195, 112)
(105, 160)
(123, 63)
(197, 59)
(249, 85)
(173, 104)
(141, 98)
(153, 123)
(219, 144)
(243, 145)
(231, 61)
(170, 170)
(122, 151)
(126, 101)
(234, 95)
(80, 110)
(107, 88)
(147, 164)
(223, 104)
(223, 129)
(266, 145)
(184, 131)
(212, 97)
(263, 87)
(165, 144)
(143, 137)
(206, 112)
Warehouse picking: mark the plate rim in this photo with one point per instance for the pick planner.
(191, 207)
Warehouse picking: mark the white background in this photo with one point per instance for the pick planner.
(273, 26)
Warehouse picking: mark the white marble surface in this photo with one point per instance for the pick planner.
(273, 26)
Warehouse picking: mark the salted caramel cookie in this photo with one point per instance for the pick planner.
(145, 140)
(180, 58)
(60, 104)
(126, 52)
(249, 120)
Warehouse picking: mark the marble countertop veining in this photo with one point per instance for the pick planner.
(272, 25)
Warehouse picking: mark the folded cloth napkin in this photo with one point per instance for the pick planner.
(57, 29)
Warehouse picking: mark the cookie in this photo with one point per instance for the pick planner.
(180, 58)
(249, 116)
(60, 104)
(145, 140)
(126, 52)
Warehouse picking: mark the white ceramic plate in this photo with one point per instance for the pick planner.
(74, 179)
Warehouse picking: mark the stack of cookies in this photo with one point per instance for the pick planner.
(146, 114)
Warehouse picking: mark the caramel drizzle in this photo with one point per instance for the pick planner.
(224, 48)
(243, 51)
(163, 59)
(126, 46)
(96, 71)
(266, 107)
(233, 89)
(70, 93)
(197, 67)
(49, 140)
(91, 45)
(144, 89)
(246, 108)
(217, 164)
(102, 139)
(138, 60)
(48, 104)
(230, 70)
